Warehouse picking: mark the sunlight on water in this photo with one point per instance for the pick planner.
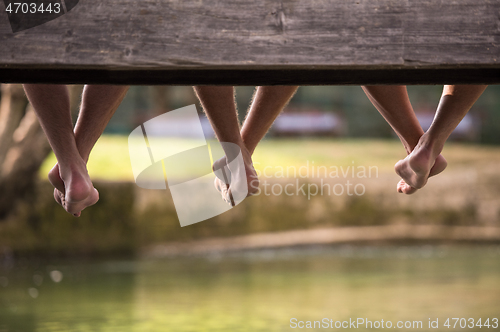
(253, 291)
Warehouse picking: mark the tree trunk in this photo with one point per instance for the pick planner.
(12, 109)
(23, 148)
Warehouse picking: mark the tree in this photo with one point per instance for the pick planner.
(23, 148)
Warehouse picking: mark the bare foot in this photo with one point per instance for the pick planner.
(416, 167)
(251, 177)
(73, 189)
(58, 183)
(439, 166)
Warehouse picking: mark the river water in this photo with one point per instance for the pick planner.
(265, 290)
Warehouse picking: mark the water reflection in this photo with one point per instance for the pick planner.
(252, 291)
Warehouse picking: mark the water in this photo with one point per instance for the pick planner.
(255, 291)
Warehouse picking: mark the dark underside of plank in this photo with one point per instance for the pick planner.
(255, 77)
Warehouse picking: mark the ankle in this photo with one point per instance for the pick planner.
(75, 168)
(83, 151)
(429, 143)
(247, 144)
(244, 150)
(411, 143)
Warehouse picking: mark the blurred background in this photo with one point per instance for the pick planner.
(127, 265)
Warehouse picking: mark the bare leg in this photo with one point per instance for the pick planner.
(267, 104)
(455, 102)
(51, 104)
(219, 105)
(394, 105)
(99, 103)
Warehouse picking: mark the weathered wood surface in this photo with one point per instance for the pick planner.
(259, 42)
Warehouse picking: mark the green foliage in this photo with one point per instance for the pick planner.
(363, 211)
(45, 228)
(128, 218)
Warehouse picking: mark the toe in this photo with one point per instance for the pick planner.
(57, 197)
(405, 188)
(55, 178)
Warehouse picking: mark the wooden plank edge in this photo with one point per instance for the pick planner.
(253, 77)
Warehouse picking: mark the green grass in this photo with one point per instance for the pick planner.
(110, 158)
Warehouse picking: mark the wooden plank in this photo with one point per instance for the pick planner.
(259, 42)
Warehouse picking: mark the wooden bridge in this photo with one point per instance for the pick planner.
(265, 42)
